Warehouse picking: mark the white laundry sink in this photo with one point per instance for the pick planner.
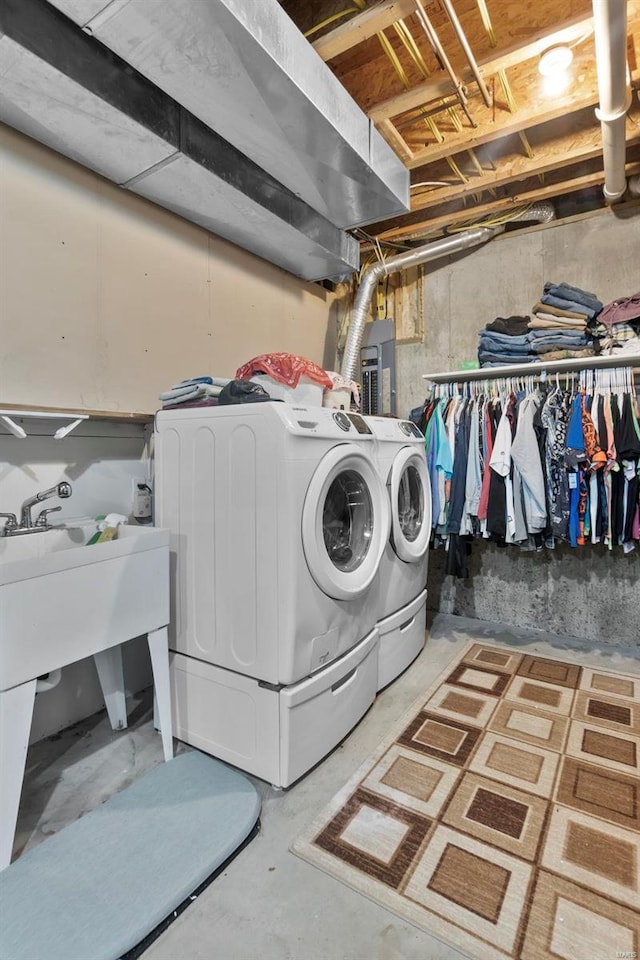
(61, 600)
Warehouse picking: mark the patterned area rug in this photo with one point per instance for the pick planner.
(503, 815)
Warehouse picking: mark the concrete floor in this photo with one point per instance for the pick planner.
(269, 904)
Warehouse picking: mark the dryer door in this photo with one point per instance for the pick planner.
(410, 496)
(345, 523)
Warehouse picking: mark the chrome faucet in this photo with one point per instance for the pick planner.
(62, 490)
(12, 528)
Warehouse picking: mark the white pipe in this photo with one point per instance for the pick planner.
(610, 35)
(49, 681)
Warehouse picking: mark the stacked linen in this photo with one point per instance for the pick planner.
(616, 328)
(560, 321)
(505, 340)
(197, 390)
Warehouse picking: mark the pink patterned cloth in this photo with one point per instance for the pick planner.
(285, 368)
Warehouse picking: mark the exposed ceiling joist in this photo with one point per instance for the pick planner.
(500, 206)
(440, 84)
(396, 141)
(362, 27)
(568, 150)
(533, 142)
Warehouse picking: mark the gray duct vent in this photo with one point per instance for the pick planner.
(244, 69)
(67, 91)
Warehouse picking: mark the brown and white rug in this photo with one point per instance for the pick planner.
(503, 814)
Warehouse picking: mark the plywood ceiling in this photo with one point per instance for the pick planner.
(469, 159)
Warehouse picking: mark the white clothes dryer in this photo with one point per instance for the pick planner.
(401, 582)
(279, 519)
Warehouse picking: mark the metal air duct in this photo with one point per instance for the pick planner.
(245, 70)
(67, 91)
(610, 34)
(542, 212)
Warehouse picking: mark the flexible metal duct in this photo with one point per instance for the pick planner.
(541, 212)
(610, 34)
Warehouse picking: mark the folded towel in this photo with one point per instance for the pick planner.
(197, 392)
(211, 381)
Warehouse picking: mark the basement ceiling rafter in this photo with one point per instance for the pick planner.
(528, 144)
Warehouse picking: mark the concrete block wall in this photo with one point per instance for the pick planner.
(589, 592)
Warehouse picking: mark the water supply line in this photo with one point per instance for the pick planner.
(614, 91)
(464, 43)
(541, 212)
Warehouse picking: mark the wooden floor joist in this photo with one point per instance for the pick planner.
(562, 152)
(496, 207)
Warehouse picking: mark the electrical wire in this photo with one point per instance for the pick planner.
(492, 221)
(330, 20)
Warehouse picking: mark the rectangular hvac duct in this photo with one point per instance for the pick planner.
(72, 94)
(244, 69)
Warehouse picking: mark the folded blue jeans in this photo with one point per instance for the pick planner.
(573, 305)
(567, 292)
(504, 339)
(548, 333)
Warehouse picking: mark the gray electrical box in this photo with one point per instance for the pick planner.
(378, 368)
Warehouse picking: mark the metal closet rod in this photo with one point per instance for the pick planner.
(535, 369)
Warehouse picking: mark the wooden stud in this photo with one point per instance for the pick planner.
(362, 27)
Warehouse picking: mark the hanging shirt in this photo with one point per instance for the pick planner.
(501, 464)
(525, 453)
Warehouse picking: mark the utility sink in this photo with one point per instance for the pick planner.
(61, 600)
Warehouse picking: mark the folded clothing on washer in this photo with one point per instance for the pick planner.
(197, 388)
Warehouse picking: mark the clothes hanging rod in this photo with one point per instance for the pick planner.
(535, 369)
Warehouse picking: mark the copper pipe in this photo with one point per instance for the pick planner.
(464, 43)
(438, 49)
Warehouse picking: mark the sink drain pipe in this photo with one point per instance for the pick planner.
(48, 681)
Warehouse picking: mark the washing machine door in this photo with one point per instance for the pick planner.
(345, 522)
(410, 498)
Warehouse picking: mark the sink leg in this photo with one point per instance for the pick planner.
(111, 676)
(159, 650)
(16, 712)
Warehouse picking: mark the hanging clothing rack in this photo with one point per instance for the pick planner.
(539, 370)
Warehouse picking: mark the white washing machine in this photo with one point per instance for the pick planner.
(402, 578)
(279, 520)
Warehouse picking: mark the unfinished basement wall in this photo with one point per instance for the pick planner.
(107, 299)
(589, 592)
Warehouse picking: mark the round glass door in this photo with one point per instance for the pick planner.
(410, 496)
(345, 522)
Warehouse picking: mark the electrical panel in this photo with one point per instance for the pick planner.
(378, 368)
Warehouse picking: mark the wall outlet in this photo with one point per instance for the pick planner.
(141, 500)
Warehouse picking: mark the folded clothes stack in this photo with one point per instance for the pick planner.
(616, 329)
(563, 307)
(505, 340)
(560, 322)
(198, 391)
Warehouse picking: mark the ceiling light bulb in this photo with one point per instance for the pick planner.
(555, 60)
